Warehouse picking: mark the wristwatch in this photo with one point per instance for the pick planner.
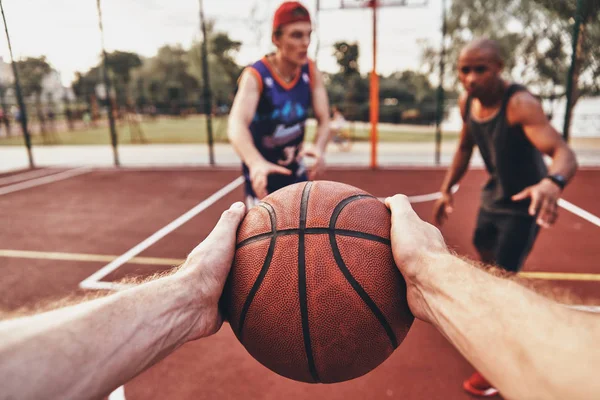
(560, 180)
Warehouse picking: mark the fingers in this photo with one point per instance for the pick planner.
(231, 218)
(548, 213)
(308, 153)
(277, 169)
(229, 221)
(225, 230)
(536, 203)
(316, 170)
(522, 195)
(399, 205)
(259, 185)
(439, 213)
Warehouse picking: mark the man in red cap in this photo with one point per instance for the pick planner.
(268, 116)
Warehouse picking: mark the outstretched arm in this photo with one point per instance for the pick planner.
(238, 130)
(460, 164)
(526, 110)
(89, 349)
(526, 345)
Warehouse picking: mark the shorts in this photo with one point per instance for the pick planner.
(509, 237)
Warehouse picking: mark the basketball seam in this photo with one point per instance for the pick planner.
(314, 231)
(346, 272)
(263, 270)
(302, 288)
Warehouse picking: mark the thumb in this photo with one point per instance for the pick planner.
(399, 205)
(231, 218)
(279, 170)
(226, 227)
(522, 195)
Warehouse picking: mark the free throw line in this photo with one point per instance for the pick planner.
(53, 255)
(44, 180)
(89, 283)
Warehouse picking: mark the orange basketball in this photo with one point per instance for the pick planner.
(313, 293)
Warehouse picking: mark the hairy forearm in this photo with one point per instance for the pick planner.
(564, 162)
(457, 170)
(89, 349)
(241, 139)
(526, 345)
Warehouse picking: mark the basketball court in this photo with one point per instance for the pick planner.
(73, 230)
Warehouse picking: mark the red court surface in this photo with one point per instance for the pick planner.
(57, 233)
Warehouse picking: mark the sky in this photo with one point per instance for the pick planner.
(66, 31)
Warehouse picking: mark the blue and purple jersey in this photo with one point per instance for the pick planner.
(279, 122)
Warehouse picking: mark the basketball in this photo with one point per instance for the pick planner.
(313, 293)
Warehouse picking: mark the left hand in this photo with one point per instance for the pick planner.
(206, 269)
(544, 198)
(319, 166)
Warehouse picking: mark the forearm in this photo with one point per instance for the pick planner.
(322, 135)
(98, 344)
(457, 169)
(241, 139)
(526, 345)
(563, 162)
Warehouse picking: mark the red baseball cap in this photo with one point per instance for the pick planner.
(288, 12)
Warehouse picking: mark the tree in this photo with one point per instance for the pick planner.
(535, 36)
(224, 49)
(32, 71)
(346, 55)
(223, 69)
(84, 85)
(166, 77)
(120, 64)
(586, 67)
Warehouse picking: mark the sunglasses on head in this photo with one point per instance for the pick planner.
(478, 69)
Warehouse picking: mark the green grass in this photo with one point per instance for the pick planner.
(193, 130)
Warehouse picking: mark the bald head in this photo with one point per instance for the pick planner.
(483, 48)
(479, 67)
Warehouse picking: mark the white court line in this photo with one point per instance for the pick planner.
(580, 212)
(93, 281)
(25, 175)
(594, 309)
(423, 198)
(45, 180)
(117, 394)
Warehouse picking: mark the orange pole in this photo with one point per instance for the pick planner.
(374, 91)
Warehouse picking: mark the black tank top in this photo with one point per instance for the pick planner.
(511, 160)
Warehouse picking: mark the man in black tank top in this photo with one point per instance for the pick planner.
(508, 125)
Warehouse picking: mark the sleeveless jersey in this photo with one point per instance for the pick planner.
(279, 122)
(512, 162)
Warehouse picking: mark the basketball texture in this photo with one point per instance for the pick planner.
(313, 293)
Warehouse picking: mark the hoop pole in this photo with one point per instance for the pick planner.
(374, 89)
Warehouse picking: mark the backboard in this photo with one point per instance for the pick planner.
(353, 4)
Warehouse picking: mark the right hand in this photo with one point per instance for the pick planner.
(442, 208)
(415, 246)
(259, 173)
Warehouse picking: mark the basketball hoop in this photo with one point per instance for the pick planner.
(325, 5)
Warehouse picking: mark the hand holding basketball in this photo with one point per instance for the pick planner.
(207, 267)
(414, 243)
